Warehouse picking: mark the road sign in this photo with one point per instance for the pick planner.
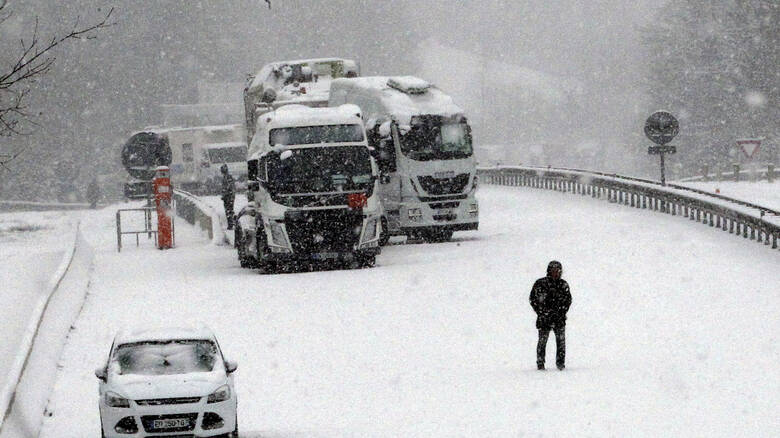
(749, 146)
(661, 127)
(655, 150)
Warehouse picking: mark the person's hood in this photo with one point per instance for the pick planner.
(141, 387)
(552, 265)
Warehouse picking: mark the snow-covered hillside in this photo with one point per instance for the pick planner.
(762, 193)
(671, 332)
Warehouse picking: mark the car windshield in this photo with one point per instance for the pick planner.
(228, 155)
(166, 357)
(447, 141)
(320, 169)
(316, 134)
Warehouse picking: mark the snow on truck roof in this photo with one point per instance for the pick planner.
(400, 96)
(128, 336)
(261, 74)
(302, 115)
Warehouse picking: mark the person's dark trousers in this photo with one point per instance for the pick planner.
(560, 343)
(228, 201)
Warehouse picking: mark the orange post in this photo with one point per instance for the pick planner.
(163, 192)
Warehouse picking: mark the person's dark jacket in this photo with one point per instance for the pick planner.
(228, 186)
(550, 299)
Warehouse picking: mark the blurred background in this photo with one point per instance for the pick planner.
(564, 83)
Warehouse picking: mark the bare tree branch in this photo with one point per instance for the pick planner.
(35, 60)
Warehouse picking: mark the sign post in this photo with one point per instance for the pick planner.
(661, 127)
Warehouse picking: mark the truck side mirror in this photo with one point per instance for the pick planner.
(230, 366)
(253, 186)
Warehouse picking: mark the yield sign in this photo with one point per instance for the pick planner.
(749, 146)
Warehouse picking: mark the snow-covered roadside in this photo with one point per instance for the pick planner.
(31, 247)
(671, 332)
(762, 193)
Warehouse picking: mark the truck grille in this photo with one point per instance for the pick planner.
(320, 231)
(167, 401)
(444, 186)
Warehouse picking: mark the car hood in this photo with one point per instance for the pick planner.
(141, 387)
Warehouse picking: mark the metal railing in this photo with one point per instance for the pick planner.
(189, 208)
(149, 230)
(741, 218)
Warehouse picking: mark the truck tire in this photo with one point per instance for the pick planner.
(438, 236)
(384, 233)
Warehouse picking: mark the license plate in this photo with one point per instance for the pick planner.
(445, 212)
(170, 423)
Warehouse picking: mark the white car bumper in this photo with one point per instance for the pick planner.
(193, 419)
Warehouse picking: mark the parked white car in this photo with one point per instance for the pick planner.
(167, 382)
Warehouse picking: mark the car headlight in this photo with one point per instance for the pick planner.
(221, 394)
(415, 214)
(115, 400)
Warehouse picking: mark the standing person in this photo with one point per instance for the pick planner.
(228, 194)
(93, 193)
(550, 299)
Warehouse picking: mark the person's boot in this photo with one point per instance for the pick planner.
(561, 366)
(540, 366)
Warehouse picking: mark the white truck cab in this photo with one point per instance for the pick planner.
(313, 188)
(423, 146)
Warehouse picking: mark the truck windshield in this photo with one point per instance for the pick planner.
(319, 170)
(228, 155)
(316, 134)
(427, 142)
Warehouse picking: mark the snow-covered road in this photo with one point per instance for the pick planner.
(673, 330)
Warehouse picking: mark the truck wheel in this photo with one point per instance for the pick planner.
(439, 236)
(384, 233)
(367, 262)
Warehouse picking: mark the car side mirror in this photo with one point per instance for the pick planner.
(101, 373)
(230, 366)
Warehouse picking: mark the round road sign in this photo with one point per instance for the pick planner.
(661, 127)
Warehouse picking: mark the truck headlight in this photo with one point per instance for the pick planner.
(473, 209)
(277, 234)
(370, 233)
(221, 394)
(115, 400)
(415, 214)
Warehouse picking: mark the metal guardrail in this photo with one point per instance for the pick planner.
(761, 210)
(640, 193)
(186, 205)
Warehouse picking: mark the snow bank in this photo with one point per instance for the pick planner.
(26, 393)
(190, 208)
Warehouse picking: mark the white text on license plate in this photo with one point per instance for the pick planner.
(171, 423)
(445, 212)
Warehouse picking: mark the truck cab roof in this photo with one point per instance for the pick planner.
(400, 97)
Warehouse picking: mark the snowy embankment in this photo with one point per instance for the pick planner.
(672, 331)
(38, 329)
(762, 193)
(31, 247)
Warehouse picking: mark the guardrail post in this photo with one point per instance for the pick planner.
(712, 222)
(774, 241)
(770, 172)
(752, 233)
(736, 172)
